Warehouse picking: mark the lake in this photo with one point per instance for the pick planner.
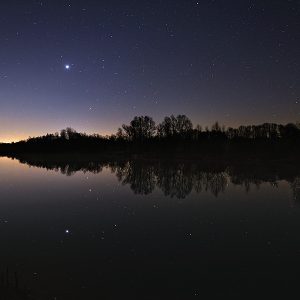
(148, 229)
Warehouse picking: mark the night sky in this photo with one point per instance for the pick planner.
(94, 65)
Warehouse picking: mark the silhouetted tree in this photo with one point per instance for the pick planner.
(120, 134)
(172, 126)
(63, 134)
(290, 131)
(71, 133)
(216, 127)
(140, 128)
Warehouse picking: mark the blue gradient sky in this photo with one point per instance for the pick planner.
(232, 61)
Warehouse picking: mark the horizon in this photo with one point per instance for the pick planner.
(3, 141)
(96, 65)
(149, 149)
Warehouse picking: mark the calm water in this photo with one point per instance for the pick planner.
(145, 230)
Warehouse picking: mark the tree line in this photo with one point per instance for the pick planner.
(143, 128)
(174, 134)
(180, 126)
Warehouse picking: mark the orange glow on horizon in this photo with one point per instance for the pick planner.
(12, 139)
(18, 138)
(15, 135)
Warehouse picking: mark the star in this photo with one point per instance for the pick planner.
(67, 67)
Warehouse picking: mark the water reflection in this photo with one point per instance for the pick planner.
(175, 178)
(295, 185)
(88, 236)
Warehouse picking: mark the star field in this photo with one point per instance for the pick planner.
(95, 65)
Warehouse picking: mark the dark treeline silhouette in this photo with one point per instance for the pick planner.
(174, 136)
(174, 178)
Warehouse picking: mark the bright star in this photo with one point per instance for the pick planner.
(67, 67)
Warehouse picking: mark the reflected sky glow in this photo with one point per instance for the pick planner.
(59, 230)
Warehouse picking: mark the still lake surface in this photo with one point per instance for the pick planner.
(145, 230)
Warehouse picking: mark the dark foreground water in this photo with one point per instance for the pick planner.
(148, 231)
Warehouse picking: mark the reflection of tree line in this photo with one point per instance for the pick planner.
(64, 165)
(10, 287)
(173, 178)
(295, 185)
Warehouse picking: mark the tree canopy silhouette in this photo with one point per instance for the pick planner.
(174, 135)
(140, 128)
(172, 126)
